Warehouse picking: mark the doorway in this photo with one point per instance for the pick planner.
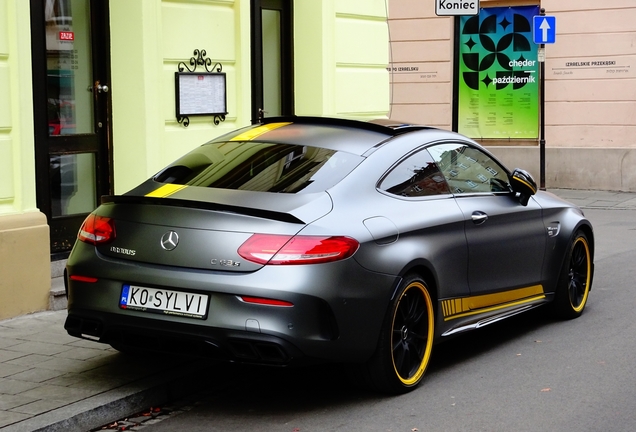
(272, 60)
(72, 120)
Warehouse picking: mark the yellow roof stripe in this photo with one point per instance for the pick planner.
(166, 190)
(258, 131)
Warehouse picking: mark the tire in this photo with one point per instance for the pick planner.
(575, 280)
(406, 340)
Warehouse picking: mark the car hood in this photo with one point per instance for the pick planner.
(202, 229)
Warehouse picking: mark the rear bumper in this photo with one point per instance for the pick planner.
(150, 335)
(337, 312)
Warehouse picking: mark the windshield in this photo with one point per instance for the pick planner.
(260, 167)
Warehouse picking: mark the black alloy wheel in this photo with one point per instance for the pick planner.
(576, 279)
(406, 343)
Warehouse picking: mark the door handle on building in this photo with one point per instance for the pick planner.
(99, 88)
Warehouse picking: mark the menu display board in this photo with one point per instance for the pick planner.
(200, 93)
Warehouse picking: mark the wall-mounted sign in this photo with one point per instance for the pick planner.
(67, 36)
(602, 68)
(498, 73)
(200, 93)
(456, 7)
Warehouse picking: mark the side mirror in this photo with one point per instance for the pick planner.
(523, 184)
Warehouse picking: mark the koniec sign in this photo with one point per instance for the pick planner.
(456, 7)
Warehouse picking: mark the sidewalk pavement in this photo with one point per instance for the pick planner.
(587, 199)
(50, 381)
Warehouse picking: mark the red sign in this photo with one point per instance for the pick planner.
(67, 36)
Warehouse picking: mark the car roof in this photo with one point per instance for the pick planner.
(353, 136)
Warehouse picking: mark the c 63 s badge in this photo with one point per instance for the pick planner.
(224, 263)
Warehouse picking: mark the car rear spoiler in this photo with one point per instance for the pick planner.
(203, 205)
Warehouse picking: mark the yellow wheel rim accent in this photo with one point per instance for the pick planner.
(417, 375)
(588, 275)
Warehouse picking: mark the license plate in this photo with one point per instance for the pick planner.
(162, 301)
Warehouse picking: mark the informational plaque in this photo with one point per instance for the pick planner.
(498, 74)
(200, 93)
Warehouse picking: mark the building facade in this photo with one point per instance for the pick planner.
(589, 93)
(88, 94)
(88, 100)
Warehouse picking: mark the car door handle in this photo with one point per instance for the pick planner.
(479, 217)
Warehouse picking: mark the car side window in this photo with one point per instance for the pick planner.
(416, 176)
(469, 170)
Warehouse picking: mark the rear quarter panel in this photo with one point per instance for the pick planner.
(429, 231)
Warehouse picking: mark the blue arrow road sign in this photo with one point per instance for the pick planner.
(544, 29)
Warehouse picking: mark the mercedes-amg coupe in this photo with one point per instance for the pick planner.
(307, 239)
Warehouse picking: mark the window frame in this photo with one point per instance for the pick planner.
(397, 164)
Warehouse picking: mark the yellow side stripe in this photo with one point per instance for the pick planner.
(465, 306)
(478, 302)
(166, 190)
(258, 131)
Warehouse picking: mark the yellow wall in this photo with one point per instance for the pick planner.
(24, 237)
(361, 76)
(340, 58)
(340, 65)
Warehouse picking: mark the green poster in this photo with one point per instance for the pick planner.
(498, 74)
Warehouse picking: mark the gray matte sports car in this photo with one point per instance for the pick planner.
(316, 239)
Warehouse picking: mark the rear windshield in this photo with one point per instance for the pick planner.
(260, 167)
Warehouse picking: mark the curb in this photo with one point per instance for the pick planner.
(98, 410)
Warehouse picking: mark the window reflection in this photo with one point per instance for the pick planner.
(469, 170)
(416, 176)
(263, 167)
(272, 70)
(72, 183)
(69, 74)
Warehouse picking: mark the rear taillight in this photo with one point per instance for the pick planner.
(97, 230)
(278, 249)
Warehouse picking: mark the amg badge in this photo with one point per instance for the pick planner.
(124, 251)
